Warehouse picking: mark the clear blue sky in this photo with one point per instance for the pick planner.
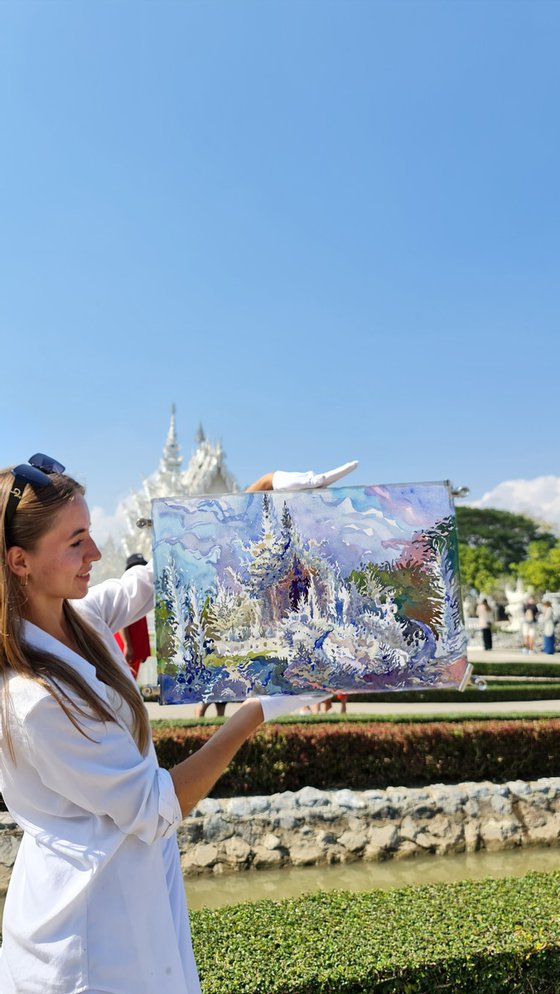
(326, 230)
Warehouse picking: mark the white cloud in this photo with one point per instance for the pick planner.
(539, 498)
(105, 526)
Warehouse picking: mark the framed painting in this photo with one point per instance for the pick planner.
(347, 589)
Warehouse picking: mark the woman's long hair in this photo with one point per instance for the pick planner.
(33, 518)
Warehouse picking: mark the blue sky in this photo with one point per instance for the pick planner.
(326, 230)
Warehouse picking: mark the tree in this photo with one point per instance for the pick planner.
(541, 569)
(505, 535)
(480, 568)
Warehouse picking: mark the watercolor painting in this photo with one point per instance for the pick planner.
(352, 589)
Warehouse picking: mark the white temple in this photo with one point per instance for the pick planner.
(206, 473)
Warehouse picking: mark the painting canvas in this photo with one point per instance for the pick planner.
(352, 589)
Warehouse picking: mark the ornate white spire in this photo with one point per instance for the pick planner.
(171, 459)
(206, 473)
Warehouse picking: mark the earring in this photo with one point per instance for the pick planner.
(23, 583)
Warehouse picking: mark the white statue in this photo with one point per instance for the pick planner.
(516, 598)
(469, 604)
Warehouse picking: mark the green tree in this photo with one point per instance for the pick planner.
(541, 569)
(480, 568)
(505, 535)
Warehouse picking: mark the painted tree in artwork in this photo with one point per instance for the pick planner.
(287, 525)
(210, 619)
(224, 611)
(163, 621)
(268, 553)
(407, 582)
(171, 604)
(196, 643)
(443, 543)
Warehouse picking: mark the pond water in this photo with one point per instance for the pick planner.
(253, 885)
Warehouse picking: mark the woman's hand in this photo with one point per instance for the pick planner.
(274, 706)
(280, 480)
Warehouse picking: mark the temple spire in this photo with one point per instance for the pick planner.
(206, 473)
(171, 459)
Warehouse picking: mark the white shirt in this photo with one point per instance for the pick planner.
(548, 621)
(96, 900)
(485, 615)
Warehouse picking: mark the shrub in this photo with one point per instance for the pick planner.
(363, 755)
(498, 692)
(551, 670)
(487, 937)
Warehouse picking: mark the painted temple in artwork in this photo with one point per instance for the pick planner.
(352, 589)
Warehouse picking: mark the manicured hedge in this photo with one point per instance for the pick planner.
(497, 680)
(498, 692)
(370, 717)
(551, 670)
(487, 937)
(363, 755)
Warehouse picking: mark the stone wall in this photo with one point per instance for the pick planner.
(314, 826)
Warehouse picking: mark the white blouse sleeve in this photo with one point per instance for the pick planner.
(119, 603)
(104, 774)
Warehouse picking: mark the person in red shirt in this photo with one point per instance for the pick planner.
(134, 640)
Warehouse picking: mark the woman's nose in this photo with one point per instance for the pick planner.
(93, 553)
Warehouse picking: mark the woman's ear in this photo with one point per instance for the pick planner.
(16, 558)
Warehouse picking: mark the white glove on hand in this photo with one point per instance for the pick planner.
(273, 707)
(309, 480)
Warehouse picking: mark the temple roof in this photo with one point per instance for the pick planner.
(206, 473)
(171, 458)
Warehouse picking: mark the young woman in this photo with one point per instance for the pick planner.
(96, 901)
(548, 627)
(485, 616)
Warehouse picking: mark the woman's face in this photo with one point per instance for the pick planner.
(59, 567)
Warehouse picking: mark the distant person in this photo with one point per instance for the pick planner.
(485, 616)
(501, 614)
(328, 703)
(548, 628)
(530, 615)
(134, 639)
(201, 709)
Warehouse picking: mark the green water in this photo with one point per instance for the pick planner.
(253, 885)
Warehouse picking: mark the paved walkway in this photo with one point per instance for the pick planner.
(178, 711)
(478, 655)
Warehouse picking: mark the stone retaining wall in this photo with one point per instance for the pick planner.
(314, 826)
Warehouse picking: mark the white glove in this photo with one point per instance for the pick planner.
(273, 707)
(309, 480)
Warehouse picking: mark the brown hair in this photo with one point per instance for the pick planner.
(33, 518)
